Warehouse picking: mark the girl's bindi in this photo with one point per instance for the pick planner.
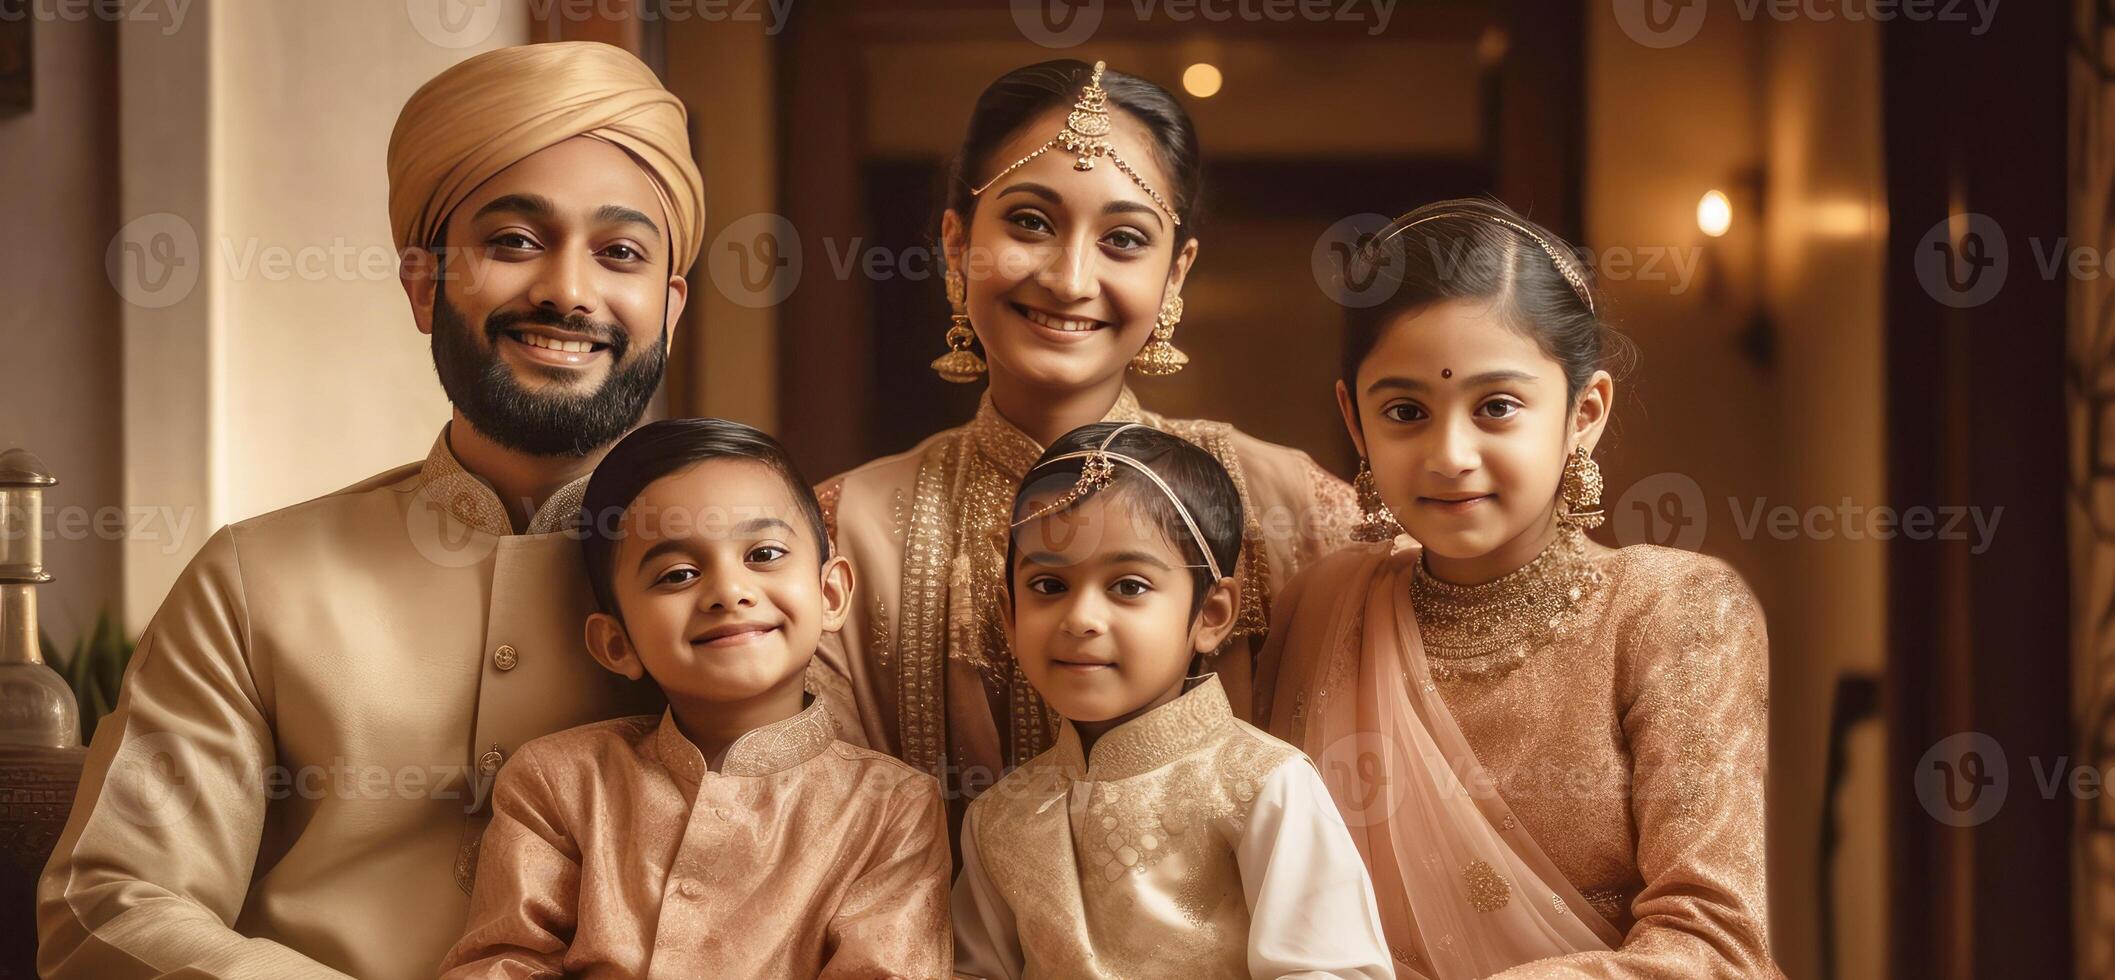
(1446, 372)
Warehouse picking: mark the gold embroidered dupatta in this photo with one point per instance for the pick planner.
(1464, 890)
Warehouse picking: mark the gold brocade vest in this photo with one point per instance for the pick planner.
(1123, 865)
(954, 568)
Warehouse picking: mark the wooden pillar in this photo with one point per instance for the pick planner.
(1978, 647)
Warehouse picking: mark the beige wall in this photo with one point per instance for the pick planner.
(256, 136)
(1786, 113)
(1827, 236)
(60, 393)
(326, 379)
(724, 72)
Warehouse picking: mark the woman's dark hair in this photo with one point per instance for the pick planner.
(1018, 96)
(1476, 249)
(1195, 475)
(659, 449)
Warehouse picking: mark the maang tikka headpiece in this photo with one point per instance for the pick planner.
(1099, 471)
(1086, 133)
(1567, 264)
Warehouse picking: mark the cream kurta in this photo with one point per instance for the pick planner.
(923, 665)
(615, 852)
(1188, 845)
(292, 783)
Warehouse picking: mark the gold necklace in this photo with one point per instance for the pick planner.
(1489, 630)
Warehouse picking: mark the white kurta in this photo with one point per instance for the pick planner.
(1189, 845)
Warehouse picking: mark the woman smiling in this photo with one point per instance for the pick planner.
(1069, 231)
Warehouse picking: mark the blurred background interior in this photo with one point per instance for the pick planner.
(1754, 189)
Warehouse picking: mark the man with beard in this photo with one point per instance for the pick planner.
(293, 783)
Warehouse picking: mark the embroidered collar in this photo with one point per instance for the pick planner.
(469, 499)
(1200, 717)
(1013, 451)
(771, 749)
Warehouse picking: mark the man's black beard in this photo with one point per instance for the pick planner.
(542, 423)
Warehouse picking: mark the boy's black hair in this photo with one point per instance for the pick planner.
(1194, 474)
(659, 449)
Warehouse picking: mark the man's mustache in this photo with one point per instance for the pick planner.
(502, 321)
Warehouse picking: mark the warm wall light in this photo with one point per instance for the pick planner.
(1714, 214)
(1201, 80)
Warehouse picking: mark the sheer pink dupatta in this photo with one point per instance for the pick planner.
(1464, 891)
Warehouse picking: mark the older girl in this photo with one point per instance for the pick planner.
(1550, 752)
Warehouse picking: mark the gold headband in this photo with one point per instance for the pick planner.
(1567, 266)
(1086, 133)
(1099, 471)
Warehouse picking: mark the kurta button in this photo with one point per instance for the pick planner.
(505, 657)
(489, 762)
(690, 888)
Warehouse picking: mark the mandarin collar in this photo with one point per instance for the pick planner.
(1014, 451)
(469, 499)
(765, 751)
(1199, 717)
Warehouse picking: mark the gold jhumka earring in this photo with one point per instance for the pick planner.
(1579, 489)
(1159, 358)
(960, 364)
(1376, 523)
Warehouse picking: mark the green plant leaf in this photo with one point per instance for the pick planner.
(111, 654)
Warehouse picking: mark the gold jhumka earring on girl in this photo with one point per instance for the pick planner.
(1159, 358)
(1579, 489)
(1377, 524)
(960, 364)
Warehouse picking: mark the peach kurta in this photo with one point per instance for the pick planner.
(616, 852)
(923, 663)
(1631, 745)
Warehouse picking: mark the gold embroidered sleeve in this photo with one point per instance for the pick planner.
(1696, 676)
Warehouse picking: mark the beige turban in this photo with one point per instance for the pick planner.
(488, 112)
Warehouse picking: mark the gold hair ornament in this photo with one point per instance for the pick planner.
(1099, 471)
(1086, 134)
(1567, 265)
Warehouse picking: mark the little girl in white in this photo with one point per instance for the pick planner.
(1160, 836)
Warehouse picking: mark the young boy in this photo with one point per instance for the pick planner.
(1160, 836)
(733, 835)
